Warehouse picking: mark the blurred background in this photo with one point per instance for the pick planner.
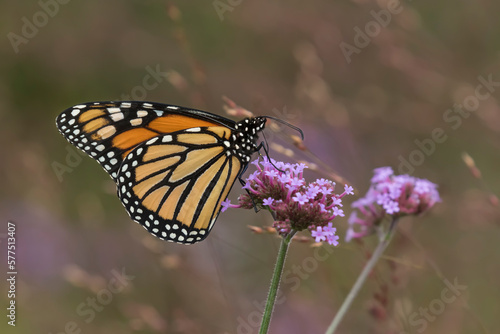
(409, 84)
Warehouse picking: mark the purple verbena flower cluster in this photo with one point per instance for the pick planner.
(297, 205)
(390, 194)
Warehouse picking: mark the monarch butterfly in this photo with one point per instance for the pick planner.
(173, 166)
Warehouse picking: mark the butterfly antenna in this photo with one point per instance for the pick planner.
(287, 124)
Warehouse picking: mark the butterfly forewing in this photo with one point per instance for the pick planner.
(108, 131)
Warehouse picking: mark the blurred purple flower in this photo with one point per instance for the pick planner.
(226, 204)
(297, 205)
(301, 198)
(390, 194)
(318, 234)
(268, 201)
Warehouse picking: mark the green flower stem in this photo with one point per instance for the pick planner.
(384, 242)
(275, 282)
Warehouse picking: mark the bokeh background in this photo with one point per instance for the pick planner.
(278, 58)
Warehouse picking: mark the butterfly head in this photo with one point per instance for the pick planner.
(245, 137)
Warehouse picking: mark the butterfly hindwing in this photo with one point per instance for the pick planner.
(173, 185)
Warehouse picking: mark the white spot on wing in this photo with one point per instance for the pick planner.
(106, 132)
(136, 121)
(114, 109)
(151, 141)
(142, 113)
(117, 116)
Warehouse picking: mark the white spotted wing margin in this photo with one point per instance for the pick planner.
(173, 185)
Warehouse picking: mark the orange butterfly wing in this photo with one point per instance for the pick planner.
(108, 131)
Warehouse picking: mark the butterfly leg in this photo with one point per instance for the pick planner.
(243, 183)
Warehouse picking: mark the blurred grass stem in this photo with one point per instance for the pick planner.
(385, 239)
